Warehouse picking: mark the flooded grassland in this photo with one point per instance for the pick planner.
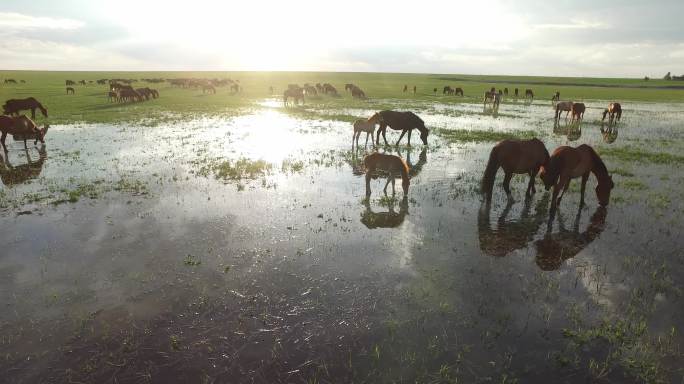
(241, 249)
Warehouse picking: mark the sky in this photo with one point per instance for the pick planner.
(507, 37)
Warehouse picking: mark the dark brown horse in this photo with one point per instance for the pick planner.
(529, 94)
(405, 88)
(14, 106)
(577, 112)
(458, 91)
(555, 248)
(399, 121)
(349, 86)
(447, 90)
(357, 93)
(70, 90)
(514, 156)
(567, 163)
(515, 92)
(21, 127)
(614, 112)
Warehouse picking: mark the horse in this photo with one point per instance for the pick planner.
(358, 93)
(515, 92)
(294, 93)
(448, 90)
(349, 86)
(329, 89)
(129, 94)
(113, 96)
(310, 90)
(14, 106)
(458, 91)
(235, 88)
(70, 89)
(506, 91)
(21, 127)
(82, 82)
(494, 98)
(529, 94)
(389, 219)
(577, 112)
(555, 248)
(363, 125)
(10, 81)
(403, 121)
(614, 112)
(208, 88)
(390, 164)
(405, 88)
(435, 91)
(14, 175)
(555, 99)
(567, 163)
(563, 106)
(414, 89)
(514, 156)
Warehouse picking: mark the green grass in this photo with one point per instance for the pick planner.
(633, 154)
(90, 103)
(475, 136)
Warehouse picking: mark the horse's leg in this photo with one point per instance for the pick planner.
(365, 145)
(403, 132)
(507, 182)
(33, 113)
(584, 184)
(387, 183)
(384, 132)
(2, 140)
(409, 137)
(530, 185)
(368, 178)
(565, 184)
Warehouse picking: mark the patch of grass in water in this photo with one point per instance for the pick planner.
(236, 170)
(633, 154)
(477, 136)
(634, 185)
(622, 172)
(292, 166)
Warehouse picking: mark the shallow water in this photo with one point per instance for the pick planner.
(145, 254)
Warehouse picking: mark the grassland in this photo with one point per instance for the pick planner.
(90, 103)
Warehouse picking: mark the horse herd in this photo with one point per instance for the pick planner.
(514, 156)
(295, 93)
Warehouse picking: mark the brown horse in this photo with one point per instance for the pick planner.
(357, 93)
(529, 94)
(405, 88)
(614, 112)
(21, 127)
(363, 125)
(458, 91)
(563, 106)
(567, 163)
(70, 90)
(297, 94)
(349, 87)
(555, 99)
(113, 96)
(515, 92)
(400, 121)
(208, 88)
(14, 106)
(577, 112)
(514, 156)
(390, 164)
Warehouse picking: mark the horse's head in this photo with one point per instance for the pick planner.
(376, 118)
(424, 135)
(603, 191)
(549, 172)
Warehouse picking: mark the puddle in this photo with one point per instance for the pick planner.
(243, 247)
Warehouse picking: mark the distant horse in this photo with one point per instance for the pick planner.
(10, 81)
(448, 90)
(414, 89)
(14, 106)
(349, 87)
(529, 94)
(555, 99)
(70, 90)
(296, 94)
(358, 93)
(405, 88)
(563, 106)
(21, 127)
(492, 97)
(516, 93)
(567, 163)
(22, 81)
(320, 88)
(328, 89)
(506, 91)
(458, 91)
(70, 82)
(389, 219)
(235, 88)
(113, 96)
(577, 112)
(310, 90)
(363, 125)
(129, 94)
(400, 121)
(390, 164)
(435, 91)
(614, 112)
(208, 88)
(82, 82)
(514, 156)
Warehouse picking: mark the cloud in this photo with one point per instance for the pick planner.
(11, 21)
(575, 24)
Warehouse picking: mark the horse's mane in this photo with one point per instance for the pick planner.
(599, 165)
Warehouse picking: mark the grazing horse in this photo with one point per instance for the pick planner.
(567, 163)
(129, 94)
(492, 97)
(614, 112)
(357, 93)
(448, 91)
(392, 165)
(328, 89)
(414, 89)
(515, 92)
(14, 106)
(405, 88)
(458, 91)
(514, 156)
(82, 82)
(363, 125)
(21, 127)
(297, 94)
(349, 87)
(400, 121)
(10, 81)
(208, 88)
(563, 106)
(506, 91)
(70, 90)
(577, 112)
(529, 94)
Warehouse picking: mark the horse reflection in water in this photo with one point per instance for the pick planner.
(555, 248)
(609, 133)
(572, 130)
(391, 218)
(510, 235)
(20, 174)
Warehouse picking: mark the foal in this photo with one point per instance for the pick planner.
(363, 125)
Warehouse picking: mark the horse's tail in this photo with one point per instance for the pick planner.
(490, 173)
